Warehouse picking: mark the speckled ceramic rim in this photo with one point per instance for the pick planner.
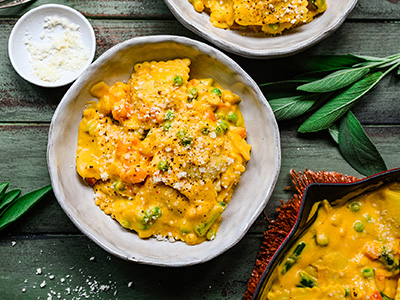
(258, 54)
(359, 187)
(77, 87)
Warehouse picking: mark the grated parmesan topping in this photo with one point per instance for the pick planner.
(56, 54)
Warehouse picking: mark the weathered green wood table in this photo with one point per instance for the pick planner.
(44, 256)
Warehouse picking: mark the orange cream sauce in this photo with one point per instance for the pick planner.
(269, 16)
(163, 151)
(350, 252)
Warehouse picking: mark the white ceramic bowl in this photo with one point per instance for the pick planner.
(32, 24)
(259, 45)
(250, 196)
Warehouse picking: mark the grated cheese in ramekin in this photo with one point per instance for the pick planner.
(56, 53)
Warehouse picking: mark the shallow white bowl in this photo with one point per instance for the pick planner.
(32, 24)
(259, 45)
(251, 195)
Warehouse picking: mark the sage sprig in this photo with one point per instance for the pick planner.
(326, 90)
(13, 206)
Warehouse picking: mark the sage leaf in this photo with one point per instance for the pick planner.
(292, 107)
(8, 198)
(3, 188)
(357, 148)
(280, 89)
(334, 81)
(337, 106)
(368, 58)
(334, 132)
(283, 82)
(324, 62)
(312, 76)
(22, 205)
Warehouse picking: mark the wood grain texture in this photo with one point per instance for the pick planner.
(23, 102)
(27, 143)
(45, 238)
(156, 9)
(80, 268)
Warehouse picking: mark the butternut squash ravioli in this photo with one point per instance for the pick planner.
(163, 151)
(351, 251)
(272, 17)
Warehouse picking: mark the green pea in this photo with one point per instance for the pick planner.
(216, 91)
(163, 165)
(124, 223)
(221, 115)
(119, 186)
(274, 26)
(368, 273)
(355, 206)
(167, 125)
(193, 93)
(368, 218)
(184, 137)
(346, 292)
(169, 115)
(232, 117)
(317, 3)
(222, 127)
(205, 130)
(322, 239)
(358, 226)
(178, 80)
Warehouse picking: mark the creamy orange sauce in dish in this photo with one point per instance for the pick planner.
(269, 16)
(164, 151)
(351, 251)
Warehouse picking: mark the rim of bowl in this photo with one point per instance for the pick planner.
(258, 54)
(201, 47)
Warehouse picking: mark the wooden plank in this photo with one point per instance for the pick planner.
(156, 9)
(24, 102)
(26, 168)
(128, 9)
(83, 270)
(376, 10)
(21, 101)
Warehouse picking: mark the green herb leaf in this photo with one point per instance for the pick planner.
(8, 198)
(335, 108)
(3, 188)
(282, 82)
(357, 148)
(324, 62)
(334, 132)
(281, 89)
(334, 81)
(22, 205)
(398, 71)
(312, 76)
(368, 58)
(292, 107)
